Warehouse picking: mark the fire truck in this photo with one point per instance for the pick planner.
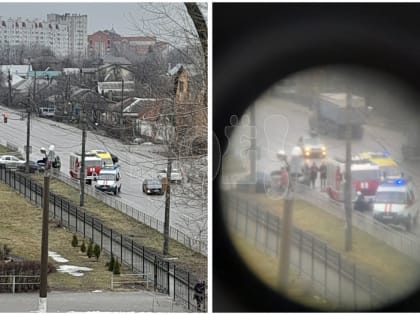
(93, 164)
(365, 177)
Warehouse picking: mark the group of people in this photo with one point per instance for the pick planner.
(310, 174)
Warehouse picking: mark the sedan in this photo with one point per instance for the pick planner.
(153, 186)
(11, 161)
(33, 167)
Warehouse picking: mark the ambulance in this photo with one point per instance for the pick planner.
(109, 180)
(365, 177)
(395, 203)
(93, 165)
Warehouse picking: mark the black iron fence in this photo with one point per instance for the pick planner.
(166, 277)
(331, 276)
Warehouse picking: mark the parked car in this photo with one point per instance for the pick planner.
(33, 167)
(11, 161)
(176, 175)
(153, 186)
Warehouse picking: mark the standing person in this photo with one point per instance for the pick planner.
(323, 175)
(314, 174)
(199, 290)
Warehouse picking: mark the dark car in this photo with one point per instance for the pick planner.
(153, 186)
(33, 167)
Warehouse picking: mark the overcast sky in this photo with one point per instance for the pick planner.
(101, 16)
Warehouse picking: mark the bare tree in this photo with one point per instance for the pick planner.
(183, 26)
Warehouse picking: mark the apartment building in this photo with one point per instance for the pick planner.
(35, 32)
(77, 32)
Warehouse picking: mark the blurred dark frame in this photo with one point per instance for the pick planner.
(256, 45)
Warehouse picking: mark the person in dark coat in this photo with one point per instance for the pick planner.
(314, 174)
(199, 291)
(323, 175)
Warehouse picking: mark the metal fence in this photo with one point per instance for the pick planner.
(325, 269)
(193, 244)
(167, 278)
(19, 283)
(403, 242)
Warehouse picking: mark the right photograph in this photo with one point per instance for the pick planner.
(316, 151)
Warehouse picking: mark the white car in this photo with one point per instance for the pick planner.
(176, 175)
(11, 161)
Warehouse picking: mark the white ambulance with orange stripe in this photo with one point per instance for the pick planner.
(395, 203)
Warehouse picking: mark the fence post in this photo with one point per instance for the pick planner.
(13, 283)
(77, 216)
(93, 230)
(174, 282)
(132, 255)
(25, 191)
(266, 231)
(112, 281)
(143, 258)
(61, 209)
(111, 241)
(155, 273)
(84, 224)
(54, 201)
(68, 214)
(102, 235)
(256, 225)
(188, 291)
(121, 247)
(169, 283)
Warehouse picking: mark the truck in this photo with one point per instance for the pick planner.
(329, 115)
(410, 149)
(365, 177)
(93, 165)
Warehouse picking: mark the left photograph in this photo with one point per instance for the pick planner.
(103, 157)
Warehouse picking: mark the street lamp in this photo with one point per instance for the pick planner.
(49, 156)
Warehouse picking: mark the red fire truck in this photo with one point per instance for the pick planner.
(93, 164)
(365, 177)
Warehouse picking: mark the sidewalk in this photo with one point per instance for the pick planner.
(139, 301)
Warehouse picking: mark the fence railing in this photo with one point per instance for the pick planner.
(179, 236)
(324, 268)
(403, 242)
(19, 283)
(167, 278)
(132, 279)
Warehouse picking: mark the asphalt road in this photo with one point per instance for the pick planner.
(57, 302)
(188, 203)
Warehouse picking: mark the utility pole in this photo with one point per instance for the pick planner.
(9, 94)
(167, 208)
(45, 217)
(122, 108)
(83, 167)
(294, 168)
(348, 185)
(28, 134)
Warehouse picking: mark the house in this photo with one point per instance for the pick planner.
(190, 108)
(146, 118)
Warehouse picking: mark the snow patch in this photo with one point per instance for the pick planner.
(57, 257)
(73, 270)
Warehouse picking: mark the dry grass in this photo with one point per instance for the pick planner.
(267, 269)
(21, 224)
(141, 233)
(378, 259)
